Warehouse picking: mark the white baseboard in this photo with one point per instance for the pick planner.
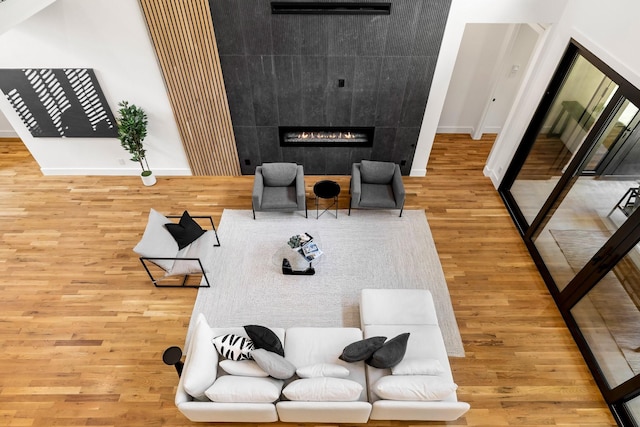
(455, 129)
(490, 173)
(113, 172)
(8, 134)
(418, 172)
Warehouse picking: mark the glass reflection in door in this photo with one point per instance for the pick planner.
(585, 92)
(593, 208)
(608, 317)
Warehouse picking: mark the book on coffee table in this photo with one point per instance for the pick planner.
(311, 251)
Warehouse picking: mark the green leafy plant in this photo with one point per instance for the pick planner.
(132, 129)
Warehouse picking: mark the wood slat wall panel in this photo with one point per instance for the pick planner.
(183, 37)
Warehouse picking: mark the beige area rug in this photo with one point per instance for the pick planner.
(615, 298)
(369, 249)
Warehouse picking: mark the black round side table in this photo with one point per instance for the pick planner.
(172, 356)
(326, 189)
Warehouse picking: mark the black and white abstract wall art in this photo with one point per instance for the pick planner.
(60, 102)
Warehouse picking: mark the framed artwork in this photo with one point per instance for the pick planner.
(59, 102)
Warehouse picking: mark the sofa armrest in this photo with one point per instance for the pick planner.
(300, 188)
(355, 186)
(398, 187)
(258, 188)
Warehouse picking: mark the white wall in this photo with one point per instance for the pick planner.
(463, 12)
(470, 85)
(12, 12)
(510, 74)
(6, 130)
(111, 37)
(611, 33)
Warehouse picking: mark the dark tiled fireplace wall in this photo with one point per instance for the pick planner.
(287, 70)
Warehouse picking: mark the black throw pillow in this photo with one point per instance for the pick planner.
(390, 354)
(361, 350)
(263, 337)
(186, 231)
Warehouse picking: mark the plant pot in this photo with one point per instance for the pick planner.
(148, 178)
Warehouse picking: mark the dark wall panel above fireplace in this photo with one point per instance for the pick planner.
(324, 71)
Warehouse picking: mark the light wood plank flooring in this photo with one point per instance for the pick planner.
(82, 329)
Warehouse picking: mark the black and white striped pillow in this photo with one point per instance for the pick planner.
(233, 347)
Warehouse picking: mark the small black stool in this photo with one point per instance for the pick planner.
(172, 356)
(326, 189)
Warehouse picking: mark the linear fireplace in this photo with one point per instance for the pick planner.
(301, 136)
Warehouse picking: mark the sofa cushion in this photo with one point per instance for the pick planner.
(244, 368)
(397, 307)
(323, 389)
(156, 241)
(417, 366)
(186, 231)
(201, 364)
(323, 370)
(235, 389)
(232, 346)
(264, 337)
(373, 172)
(279, 174)
(390, 354)
(273, 364)
(361, 350)
(413, 387)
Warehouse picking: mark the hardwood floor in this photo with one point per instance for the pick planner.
(82, 329)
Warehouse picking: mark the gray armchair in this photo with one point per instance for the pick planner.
(376, 185)
(279, 187)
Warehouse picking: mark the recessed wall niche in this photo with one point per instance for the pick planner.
(355, 70)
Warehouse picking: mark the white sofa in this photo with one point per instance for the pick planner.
(390, 312)
(383, 313)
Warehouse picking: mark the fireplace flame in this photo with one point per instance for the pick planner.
(324, 135)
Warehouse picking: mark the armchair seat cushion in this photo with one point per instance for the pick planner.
(377, 196)
(279, 198)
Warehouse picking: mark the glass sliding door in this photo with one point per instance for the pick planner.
(611, 330)
(583, 96)
(573, 189)
(589, 209)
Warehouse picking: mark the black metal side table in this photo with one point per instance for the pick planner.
(326, 189)
(172, 356)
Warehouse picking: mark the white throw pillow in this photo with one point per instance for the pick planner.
(233, 389)
(201, 364)
(198, 249)
(244, 368)
(413, 387)
(157, 242)
(323, 389)
(418, 367)
(273, 364)
(234, 347)
(323, 370)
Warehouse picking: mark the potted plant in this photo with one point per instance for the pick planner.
(132, 129)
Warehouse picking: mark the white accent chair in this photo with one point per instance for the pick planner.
(165, 263)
